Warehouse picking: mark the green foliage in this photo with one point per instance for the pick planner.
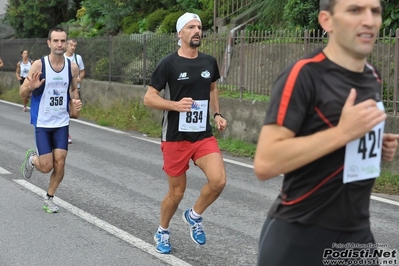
(130, 25)
(80, 13)
(203, 8)
(73, 8)
(156, 47)
(101, 69)
(206, 17)
(105, 14)
(155, 19)
(10, 95)
(387, 96)
(391, 16)
(189, 5)
(234, 93)
(387, 183)
(35, 18)
(236, 147)
(83, 26)
(125, 52)
(142, 25)
(168, 25)
(256, 27)
(302, 14)
(271, 12)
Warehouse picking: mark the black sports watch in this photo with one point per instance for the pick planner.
(216, 114)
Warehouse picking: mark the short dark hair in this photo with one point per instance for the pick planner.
(24, 51)
(327, 5)
(57, 29)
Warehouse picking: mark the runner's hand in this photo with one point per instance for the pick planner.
(34, 80)
(358, 119)
(184, 105)
(221, 123)
(77, 103)
(389, 146)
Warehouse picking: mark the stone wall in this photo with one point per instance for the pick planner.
(245, 118)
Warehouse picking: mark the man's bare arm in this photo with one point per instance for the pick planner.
(152, 99)
(74, 82)
(17, 71)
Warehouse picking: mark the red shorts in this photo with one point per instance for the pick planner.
(177, 154)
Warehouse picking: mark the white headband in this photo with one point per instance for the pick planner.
(183, 20)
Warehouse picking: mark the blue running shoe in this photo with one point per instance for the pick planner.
(162, 242)
(196, 229)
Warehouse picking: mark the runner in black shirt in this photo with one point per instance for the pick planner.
(324, 131)
(188, 79)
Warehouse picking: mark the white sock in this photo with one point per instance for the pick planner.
(31, 161)
(160, 229)
(194, 215)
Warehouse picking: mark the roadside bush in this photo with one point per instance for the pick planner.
(130, 25)
(168, 25)
(155, 19)
(206, 17)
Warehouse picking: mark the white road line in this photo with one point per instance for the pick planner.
(385, 200)
(238, 163)
(136, 242)
(4, 171)
(11, 103)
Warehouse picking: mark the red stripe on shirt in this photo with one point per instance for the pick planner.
(323, 117)
(310, 192)
(290, 83)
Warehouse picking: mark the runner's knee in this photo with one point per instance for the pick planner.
(217, 184)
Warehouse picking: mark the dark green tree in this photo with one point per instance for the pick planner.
(73, 7)
(34, 18)
(302, 14)
(271, 12)
(391, 15)
(108, 16)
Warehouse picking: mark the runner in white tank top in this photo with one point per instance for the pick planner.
(52, 82)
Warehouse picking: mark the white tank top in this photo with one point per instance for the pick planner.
(53, 106)
(24, 68)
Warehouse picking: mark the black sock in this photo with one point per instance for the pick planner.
(49, 196)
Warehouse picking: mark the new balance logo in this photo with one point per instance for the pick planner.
(183, 76)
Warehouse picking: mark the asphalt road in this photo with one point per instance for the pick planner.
(110, 200)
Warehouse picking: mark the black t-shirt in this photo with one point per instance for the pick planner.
(183, 77)
(308, 97)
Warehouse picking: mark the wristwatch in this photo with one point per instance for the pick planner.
(216, 114)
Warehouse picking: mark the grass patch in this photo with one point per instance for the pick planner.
(387, 183)
(133, 115)
(237, 147)
(126, 115)
(11, 95)
(245, 95)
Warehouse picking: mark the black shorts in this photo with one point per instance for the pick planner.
(292, 244)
